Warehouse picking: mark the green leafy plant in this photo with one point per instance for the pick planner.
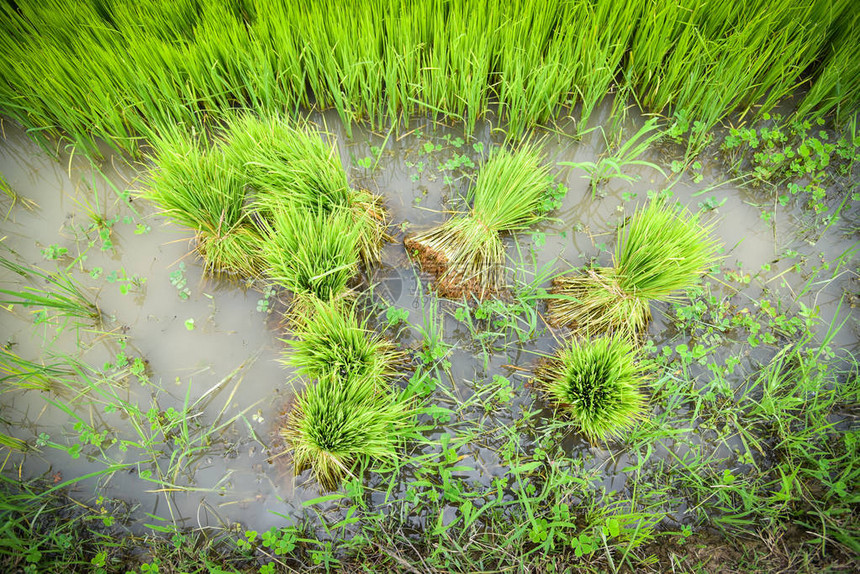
(662, 249)
(180, 282)
(611, 165)
(597, 384)
(467, 252)
(336, 421)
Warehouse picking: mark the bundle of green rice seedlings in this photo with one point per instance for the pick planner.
(197, 186)
(466, 252)
(337, 421)
(597, 384)
(661, 250)
(296, 165)
(312, 253)
(331, 342)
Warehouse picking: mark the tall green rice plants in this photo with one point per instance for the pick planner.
(511, 194)
(284, 77)
(295, 166)
(596, 383)
(837, 87)
(456, 77)
(312, 253)
(331, 342)
(343, 57)
(198, 186)
(596, 40)
(406, 45)
(662, 249)
(532, 81)
(709, 60)
(339, 420)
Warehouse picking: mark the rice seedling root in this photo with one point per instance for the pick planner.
(450, 283)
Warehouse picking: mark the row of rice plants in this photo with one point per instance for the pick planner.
(124, 70)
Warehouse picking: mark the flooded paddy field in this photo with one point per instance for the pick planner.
(166, 403)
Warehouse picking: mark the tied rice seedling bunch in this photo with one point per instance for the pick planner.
(512, 193)
(331, 342)
(312, 253)
(297, 165)
(336, 421)
(597, 384)
(198, 186)
(662, 249)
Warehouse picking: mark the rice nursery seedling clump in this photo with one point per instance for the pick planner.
(296, 165)
(332, 343)
(597, 383)
(662, 249)
(337, 420)
(467, 252)
(312, 253)
(199, 186)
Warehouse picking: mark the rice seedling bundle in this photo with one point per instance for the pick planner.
(336, 421)
(312, 253)
(596, 383)
(331, 342)
(288, 165)
(467, 251)
(198, 186)
(661, 250)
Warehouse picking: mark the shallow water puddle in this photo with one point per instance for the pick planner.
(214, 342)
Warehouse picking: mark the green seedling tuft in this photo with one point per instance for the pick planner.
(597, 383)
(336, 421)
(197, 185)
(467, 252)
(288, 165)
(313, 254)
(331, 342)
(661, 250)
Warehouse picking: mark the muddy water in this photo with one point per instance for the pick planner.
(220, 343)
